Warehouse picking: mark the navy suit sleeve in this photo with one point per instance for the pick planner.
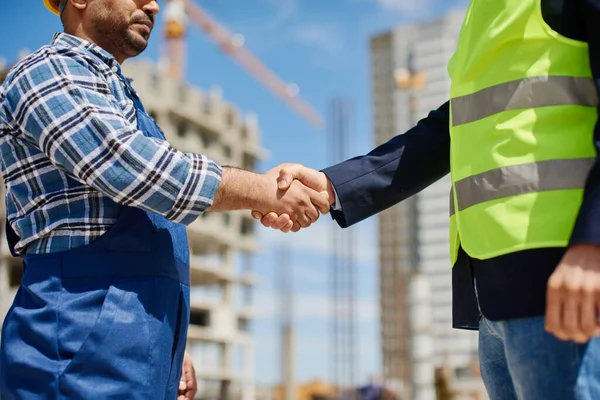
(587, 227)
(394, 171)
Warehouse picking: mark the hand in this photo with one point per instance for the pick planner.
(299, 203)
(287, 173)
(187, 384)
(573, 298)
(244, 190)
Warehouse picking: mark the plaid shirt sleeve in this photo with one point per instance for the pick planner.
(68, 112)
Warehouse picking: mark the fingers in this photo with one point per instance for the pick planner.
(281, 222)
(269, 219)
(296, 227)
(297, 202)
(288, 227)
(182, 390)
(318, 204)
(311, 213)
(187, 383)
(307, 202)
(288, 173)
(320, 200)
(573, 304)
(189, 377)
(554, 308)
(587, 314)
(571, 317)
(304, 219)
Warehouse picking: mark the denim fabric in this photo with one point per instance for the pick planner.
(107, 320)
(520, 360)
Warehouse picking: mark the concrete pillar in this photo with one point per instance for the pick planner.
(289, 384)
(248, 388)
(422, 345)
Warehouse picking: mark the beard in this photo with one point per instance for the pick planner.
(118, 35)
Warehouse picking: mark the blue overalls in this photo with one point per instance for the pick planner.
(104, 321)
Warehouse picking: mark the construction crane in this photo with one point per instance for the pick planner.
(176, 16)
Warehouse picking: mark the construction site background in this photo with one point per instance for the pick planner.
(423, 358)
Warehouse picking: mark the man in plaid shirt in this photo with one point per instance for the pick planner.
(97, 203)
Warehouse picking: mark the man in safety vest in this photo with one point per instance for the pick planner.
(97, 203)
(520, 138)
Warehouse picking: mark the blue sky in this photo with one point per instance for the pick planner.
(322, 46)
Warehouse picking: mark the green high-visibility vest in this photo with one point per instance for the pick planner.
(522, 120)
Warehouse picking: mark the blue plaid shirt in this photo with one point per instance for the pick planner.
(72, 156)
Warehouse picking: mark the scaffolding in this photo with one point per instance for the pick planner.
(343, 267)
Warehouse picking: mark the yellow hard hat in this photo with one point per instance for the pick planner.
(52, 5)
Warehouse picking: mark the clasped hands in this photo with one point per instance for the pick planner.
(303, 194)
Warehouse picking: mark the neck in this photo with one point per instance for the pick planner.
(80, 32)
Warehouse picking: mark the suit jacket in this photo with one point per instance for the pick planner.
(394, 171)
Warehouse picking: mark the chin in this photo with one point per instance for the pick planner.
(136, 51)
(137, 45)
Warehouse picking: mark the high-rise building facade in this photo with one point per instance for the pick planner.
(221, 244)
(409, 79)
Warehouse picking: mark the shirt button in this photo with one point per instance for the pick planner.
(114, 69)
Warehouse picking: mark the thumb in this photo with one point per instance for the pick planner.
(287, 176)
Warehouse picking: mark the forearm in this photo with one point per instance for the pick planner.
(241, 190)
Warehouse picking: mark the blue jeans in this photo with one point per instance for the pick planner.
(520, 360)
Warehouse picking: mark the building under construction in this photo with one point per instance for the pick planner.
(221, 244)
(409, 79)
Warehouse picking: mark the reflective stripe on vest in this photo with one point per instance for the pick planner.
(523, 112)
(520, 179)
(539, 91)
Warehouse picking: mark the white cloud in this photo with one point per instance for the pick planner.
(284, 10)
(323, 37)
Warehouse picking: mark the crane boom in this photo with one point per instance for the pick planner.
(233, 46)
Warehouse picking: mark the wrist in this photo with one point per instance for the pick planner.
(582, 254)
(240, 190)
(330, 192)
(577, 247)
(258, 192)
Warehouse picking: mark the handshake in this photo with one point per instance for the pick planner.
(301, 195)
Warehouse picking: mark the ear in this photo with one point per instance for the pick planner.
(79, 4)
